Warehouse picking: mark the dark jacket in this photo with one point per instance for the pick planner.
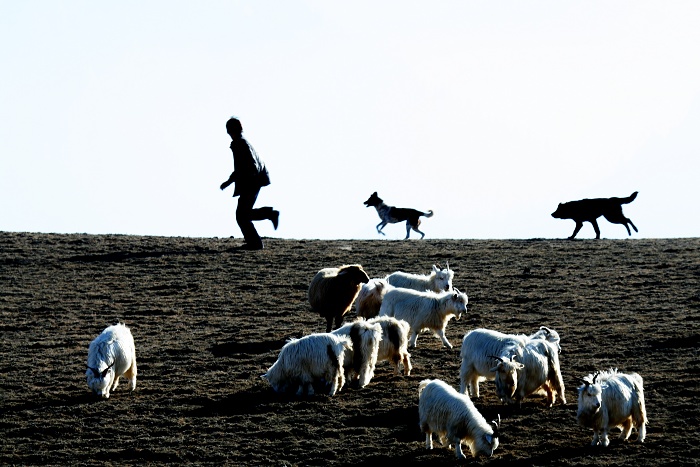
(249, 171)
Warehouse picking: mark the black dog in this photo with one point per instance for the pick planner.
(588, 210)
(392, 215)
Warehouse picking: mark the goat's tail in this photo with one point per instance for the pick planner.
(639, 411)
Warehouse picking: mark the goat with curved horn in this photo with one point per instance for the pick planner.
(115, 344)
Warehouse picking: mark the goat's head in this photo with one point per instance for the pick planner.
(459, 302)
(590, 395)
(354, 273)
(443, 277)
(492, 439)
(550, 335)
(506, 376)
(100, 381)
(489, 441)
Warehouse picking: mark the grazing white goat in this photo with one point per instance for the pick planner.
(333, 290)
(611, 399)
(362, 358)
(538, 372)
(481, 346)
(424, 310)
(453, 417)
(370, 297)
(111, 355)
(439, 280)
(394, 343)
(311, 358)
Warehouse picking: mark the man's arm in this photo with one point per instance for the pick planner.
(228, 182)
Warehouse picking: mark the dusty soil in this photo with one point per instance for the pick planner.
(208, 321)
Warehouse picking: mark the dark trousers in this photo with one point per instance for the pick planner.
(245, 215)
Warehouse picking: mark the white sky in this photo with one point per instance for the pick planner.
(112, 114)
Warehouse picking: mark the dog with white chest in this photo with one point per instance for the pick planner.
(392, 215)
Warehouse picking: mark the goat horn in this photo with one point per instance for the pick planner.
(595, 376)
(104, 372)
(497, 422)
(496, 426)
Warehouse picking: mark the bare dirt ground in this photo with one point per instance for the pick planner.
(208, 321)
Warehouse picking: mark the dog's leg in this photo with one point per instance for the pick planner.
(629, 232)
(421, 233)
(594, 223)
(619, 218)
(408, 230)
(627, 221)
(380, 226)
(329, 323)
(576, 230)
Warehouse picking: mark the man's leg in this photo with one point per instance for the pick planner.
(245, 214)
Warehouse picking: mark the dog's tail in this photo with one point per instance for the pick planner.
(430, 213)
(629, 199)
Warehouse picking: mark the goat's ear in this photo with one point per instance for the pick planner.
(488, 438)
(435, 268)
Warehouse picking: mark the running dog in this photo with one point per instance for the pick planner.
(588, 210)
(392, 215)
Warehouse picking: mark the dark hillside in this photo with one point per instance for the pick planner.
(208, 321)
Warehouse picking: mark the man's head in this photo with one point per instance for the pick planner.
(234, 127)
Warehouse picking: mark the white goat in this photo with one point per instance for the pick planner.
(538, 372)
(394, 343)
(453, 417)
(362, 358)
(424, 310)
(333, 290)
(481, 346)
(370, 297)
(308, 359)
(111, 355)
(439, 280)
(611, 399)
